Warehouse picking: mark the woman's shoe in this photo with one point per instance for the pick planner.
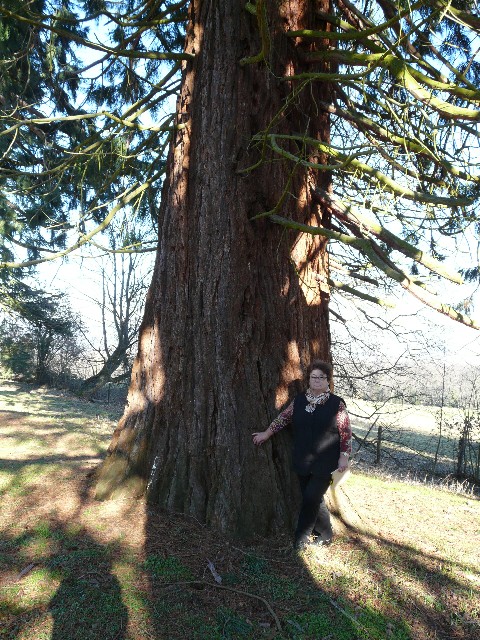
(301, 543)
(320, 542)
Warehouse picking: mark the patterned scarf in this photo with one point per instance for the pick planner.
(313, 401)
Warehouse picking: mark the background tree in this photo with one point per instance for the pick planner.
(124, 276)
(285, 109)
(38, 328)
(16, 352)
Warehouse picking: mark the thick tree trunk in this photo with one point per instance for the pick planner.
(94, 383)
(235, 309)
(44, 342)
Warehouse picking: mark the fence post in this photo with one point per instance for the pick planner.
(461, 455)
(379, 443)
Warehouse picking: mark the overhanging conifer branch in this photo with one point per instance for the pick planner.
(353, 34)
(404, 142)
(353, 215)
(334, 264)
(125, 199)
(365, 247)
(459, 15)
(350, 164)
(408, 77)
(89, 44)
(341, 286)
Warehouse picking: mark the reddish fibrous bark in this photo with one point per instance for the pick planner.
(235, 309)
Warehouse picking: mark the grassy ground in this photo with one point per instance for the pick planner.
(404, 565)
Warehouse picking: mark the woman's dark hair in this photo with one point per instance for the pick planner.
(325, 367)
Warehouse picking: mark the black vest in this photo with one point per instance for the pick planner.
(316, 441)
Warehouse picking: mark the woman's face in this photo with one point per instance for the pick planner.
(318, 382)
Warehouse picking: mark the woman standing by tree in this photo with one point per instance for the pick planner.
(321, 444)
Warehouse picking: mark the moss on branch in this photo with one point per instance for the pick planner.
(459, 15)
(409, 77)
(341, 286)
(353, 215)
(403, 142)
(355, 34)
(367, 248)
(350, 163)
(261, 14)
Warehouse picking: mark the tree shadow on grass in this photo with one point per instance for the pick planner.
(87, 603)
(57, 579)
(56, 573)
(366, 586)
(429, 588)
(11, 389)
(266, 590)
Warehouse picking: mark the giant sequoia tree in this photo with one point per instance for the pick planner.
(309, 136)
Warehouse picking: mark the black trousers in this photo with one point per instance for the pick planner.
(314, 516)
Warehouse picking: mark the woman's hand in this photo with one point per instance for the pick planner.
(261, 437)
(342, 463)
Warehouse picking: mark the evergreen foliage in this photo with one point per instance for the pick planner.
(86, 108)
(72, 140)
(36, 326)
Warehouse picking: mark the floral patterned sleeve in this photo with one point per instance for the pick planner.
(344, 429)
(282, 420)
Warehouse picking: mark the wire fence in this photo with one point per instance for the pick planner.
(430, 442)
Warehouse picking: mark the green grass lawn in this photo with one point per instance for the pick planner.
(404, 564)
